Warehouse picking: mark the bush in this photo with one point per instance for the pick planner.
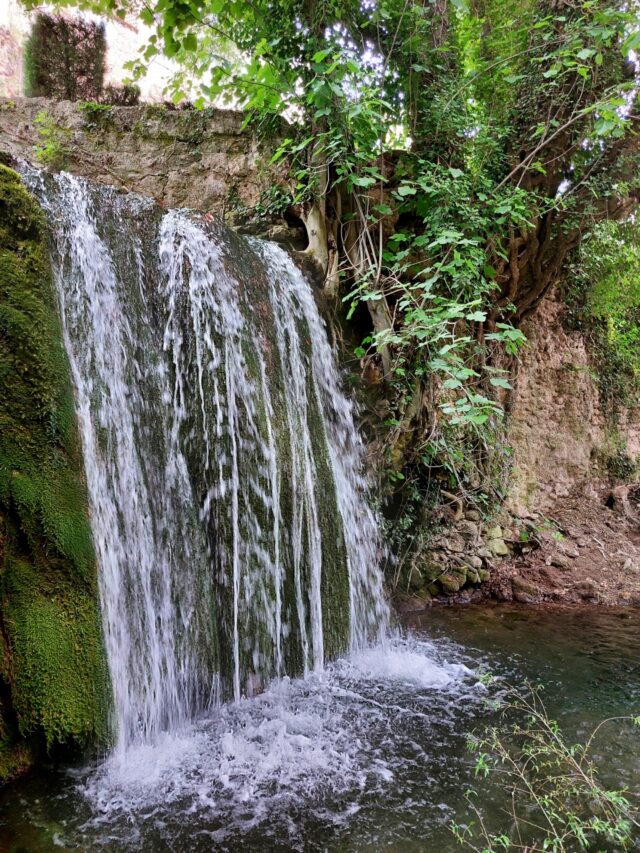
(557, 803)
(126, 95)
(65, 59)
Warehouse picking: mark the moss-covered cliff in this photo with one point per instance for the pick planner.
(54, 678)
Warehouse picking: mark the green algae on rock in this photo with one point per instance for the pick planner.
(55, 685)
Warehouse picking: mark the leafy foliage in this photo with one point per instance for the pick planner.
(447, 157)
(603, 293)
(52, 149)
(557, 801)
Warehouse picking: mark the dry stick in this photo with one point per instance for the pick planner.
(600, 545)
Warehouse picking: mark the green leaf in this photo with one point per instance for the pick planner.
(632, 43)
(322, 54)
(146, 16)
(500, 382)
(190, 42)
(363, 181)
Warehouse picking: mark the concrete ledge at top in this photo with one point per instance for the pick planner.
(181, 157)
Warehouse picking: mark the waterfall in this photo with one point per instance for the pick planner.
(228, 505)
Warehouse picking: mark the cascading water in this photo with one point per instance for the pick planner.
(228, 506)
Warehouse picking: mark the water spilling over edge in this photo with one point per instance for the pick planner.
(228, 504)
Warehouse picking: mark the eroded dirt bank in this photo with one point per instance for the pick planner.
(585, 551)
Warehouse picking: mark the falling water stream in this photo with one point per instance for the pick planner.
(259, 699)
(228, 506)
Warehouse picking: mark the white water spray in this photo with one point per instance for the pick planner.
(228, 504)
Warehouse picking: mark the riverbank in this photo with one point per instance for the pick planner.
(586, 551)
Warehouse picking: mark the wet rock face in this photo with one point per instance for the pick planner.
(55, 687)
(203, 159)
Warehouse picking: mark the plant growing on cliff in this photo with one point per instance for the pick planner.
(603, 295)
(557, 801)
(52, 149)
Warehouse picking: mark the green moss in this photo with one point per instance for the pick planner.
(52, 655)
(53, 149)
(59, 678)
(15, 758)
(96, 115)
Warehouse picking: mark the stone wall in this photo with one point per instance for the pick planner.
(182, 158)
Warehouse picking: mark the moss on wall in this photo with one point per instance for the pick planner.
(55, 680)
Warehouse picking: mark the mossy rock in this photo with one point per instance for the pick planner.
(416, 579)
(432, 571)
(52, 661)
(450, 583)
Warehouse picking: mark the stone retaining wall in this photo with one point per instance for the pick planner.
(203, 159)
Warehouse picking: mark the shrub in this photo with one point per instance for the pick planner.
(65, 59)
(126, 95)
(557, 802)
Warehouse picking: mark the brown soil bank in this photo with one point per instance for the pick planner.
(590, 553)
(585, 551)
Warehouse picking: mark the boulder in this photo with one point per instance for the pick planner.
(560, 561)
(450, 583)
(524, 591)
(454, 543)
(499, 548)
(469, 530)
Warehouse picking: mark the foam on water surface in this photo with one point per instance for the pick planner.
(316, 744)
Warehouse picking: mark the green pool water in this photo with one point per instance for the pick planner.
(369, 756)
